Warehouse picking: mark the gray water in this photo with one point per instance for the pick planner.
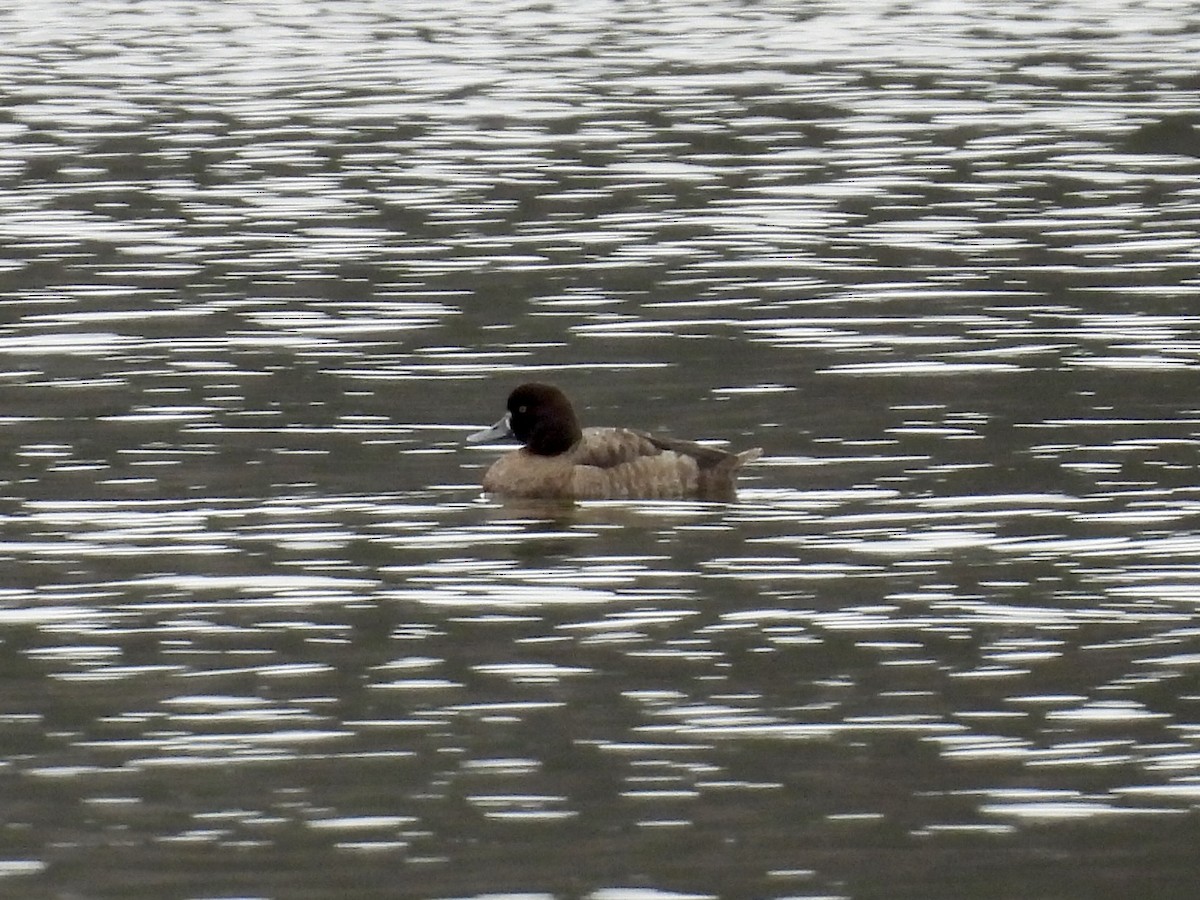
(266, 264)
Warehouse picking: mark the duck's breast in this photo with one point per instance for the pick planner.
(524, 474)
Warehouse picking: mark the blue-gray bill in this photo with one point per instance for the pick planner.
(497, 432)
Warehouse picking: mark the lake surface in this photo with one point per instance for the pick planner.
(266, 264)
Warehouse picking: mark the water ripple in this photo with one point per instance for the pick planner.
(265, 267)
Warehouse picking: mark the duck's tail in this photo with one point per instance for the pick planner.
(719, 482)
(746, 456)
(717, 468)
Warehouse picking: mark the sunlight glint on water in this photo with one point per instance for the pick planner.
(266, 267)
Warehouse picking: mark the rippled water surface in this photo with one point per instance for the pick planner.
(266, 264)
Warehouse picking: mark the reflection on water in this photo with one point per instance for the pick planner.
(265, 266)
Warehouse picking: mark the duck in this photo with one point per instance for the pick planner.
(560, 460)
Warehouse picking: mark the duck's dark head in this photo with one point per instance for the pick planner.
(541, 417)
